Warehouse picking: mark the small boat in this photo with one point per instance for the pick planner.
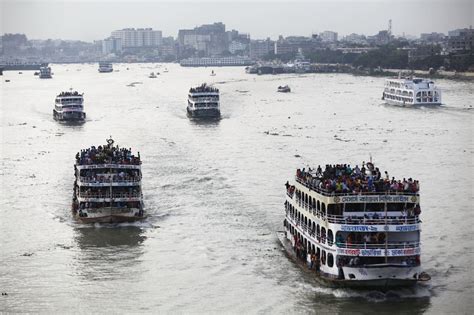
(166, 70)
(284, 89)
(152, 75)
(213, 73)
(36, 73)
(20, 72)
(7, 80)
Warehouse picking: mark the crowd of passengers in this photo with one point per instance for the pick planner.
(106, 176)
(107, 154)
(104, 192)
(203, 88)
(96, 205)
(75, 93)
(314, 260)
(342, 178)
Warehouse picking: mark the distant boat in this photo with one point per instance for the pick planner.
(69, 106)
(36, 73)
(45, 73)
(152, 75)
(203, 102)
(284, 89)
(105, 67)
(166, 70)
(411, 92)
(213, 73)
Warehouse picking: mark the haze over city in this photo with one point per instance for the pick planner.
(94, 20)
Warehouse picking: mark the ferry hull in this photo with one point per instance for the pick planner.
(109, 215)
(382, 284)
(407, 104)
(71, 116)
(204, 113)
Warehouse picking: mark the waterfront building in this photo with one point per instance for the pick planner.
(261, 48)
(328, 36)
(137, 38)
(111, 45)
(461, 40)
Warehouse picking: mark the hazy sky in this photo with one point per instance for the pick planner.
(91, 20)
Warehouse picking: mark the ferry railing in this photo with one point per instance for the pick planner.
(108, 180)
(339, 219)
(328, 193)
(398, 245)
(113, 195)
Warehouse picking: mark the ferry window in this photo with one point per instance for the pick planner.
(395, 206)
(323, 235)
(330, 260)
(323, 207)
(374, 207)
(318, 206)
(318, 233)
(323, 257)
(354, 207)
(330, 237)
(335, 209)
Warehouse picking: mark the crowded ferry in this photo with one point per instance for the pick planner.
(69, 106)
(411, 92)
(107, 186)
(203, 102)
(354, 226)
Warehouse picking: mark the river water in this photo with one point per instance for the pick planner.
(215, 191)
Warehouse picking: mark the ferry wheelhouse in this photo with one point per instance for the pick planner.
(203, 102)
(45, 73)
(107, 186)
(353, 228)
(411, 92)
(69, 106)
(105, 67)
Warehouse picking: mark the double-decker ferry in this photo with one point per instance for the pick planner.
(69, 106)
(354, 227)
(203, 102)
(107, 186)
(45, 73)
(411, 92)
(105, 67)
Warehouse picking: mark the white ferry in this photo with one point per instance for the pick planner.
(235, 61)
(69, 106)
(352, 227)
(45, 73)
(411, 92)
(105, 67)
(203, 102)
(107, 188)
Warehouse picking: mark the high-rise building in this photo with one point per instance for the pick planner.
(137, 38)
(328, 36)
(461, 39)
(207, 39)
(261, 48)
(111, 45)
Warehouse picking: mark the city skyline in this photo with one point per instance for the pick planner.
(40, 19)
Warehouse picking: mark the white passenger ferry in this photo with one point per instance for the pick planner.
(203, 102)
(411, 92)
(107, 188)
(69, 106)
(354, 227)
(105, 67)
(45, 73)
